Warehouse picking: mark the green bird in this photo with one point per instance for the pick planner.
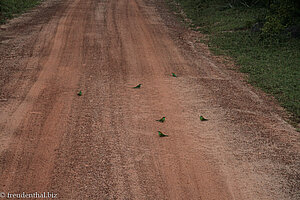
(174, 75)
(160, 134)
(162, 120)
(138, 86)
(202, 118)
(79, 93)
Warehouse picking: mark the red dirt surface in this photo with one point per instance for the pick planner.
(104, 144)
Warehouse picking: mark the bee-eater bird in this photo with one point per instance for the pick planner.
(202, 118)
(138, 86)
(160, 134)
(162, 119)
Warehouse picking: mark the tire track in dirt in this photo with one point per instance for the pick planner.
(38, 123)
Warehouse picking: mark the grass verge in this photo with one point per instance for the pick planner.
(272, 65)
(11, 8)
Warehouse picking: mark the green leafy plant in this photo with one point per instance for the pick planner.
(269, 56)
(10, 8)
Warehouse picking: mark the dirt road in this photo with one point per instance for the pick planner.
(104, 144)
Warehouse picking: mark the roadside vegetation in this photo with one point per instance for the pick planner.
(261, 36)
(11, 8)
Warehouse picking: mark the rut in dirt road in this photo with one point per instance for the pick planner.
(104, 143)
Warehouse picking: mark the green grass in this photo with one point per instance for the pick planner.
(11, 8)
(272, 66)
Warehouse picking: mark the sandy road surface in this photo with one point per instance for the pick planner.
(104, 144)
